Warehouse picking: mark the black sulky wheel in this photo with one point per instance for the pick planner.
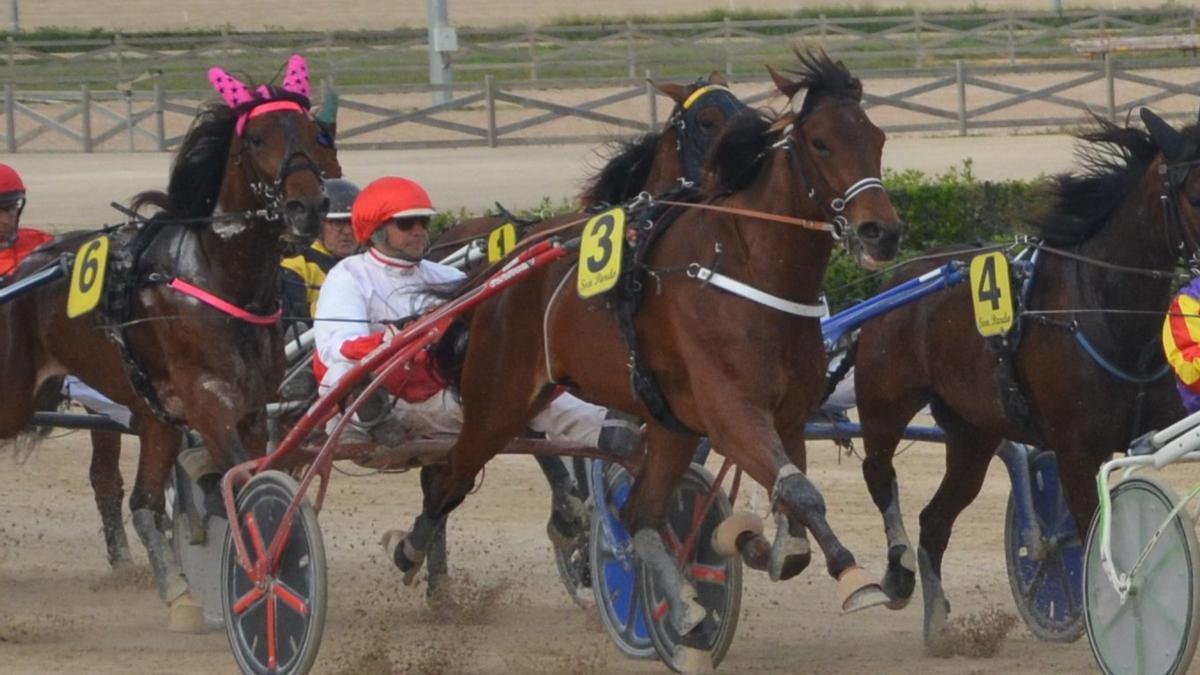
(717, 579)
(275, 627)
(614, 567)
(1047, 584)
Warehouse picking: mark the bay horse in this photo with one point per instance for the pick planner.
(653, 162)
(187, 332)
(743, 373)
(1110, 244)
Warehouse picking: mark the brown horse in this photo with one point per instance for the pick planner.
(653, 162)
(743, 373)
(1104, 277)
(244, 179)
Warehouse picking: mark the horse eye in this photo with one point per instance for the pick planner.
(255, 140)
(325, 140)
(820, 147)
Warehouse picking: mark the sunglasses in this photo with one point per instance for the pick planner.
(13, 206)
(406, 224)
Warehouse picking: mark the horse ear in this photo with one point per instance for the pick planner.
(716, 77)
(327, 117)
(1170, 141)
(677, 92)
(784, 85)
(231, 89)
(296, 80)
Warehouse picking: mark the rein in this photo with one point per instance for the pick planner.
(225, 306)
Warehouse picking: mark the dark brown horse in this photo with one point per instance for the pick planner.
(245, 178)
(743, 373)
(653, 162)
(1105, 278)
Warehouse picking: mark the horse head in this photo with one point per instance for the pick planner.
(1180, 180)
(702, 109)
(839, 152)
(279, 153)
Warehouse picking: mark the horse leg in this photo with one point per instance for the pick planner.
(568, 516)
(883, 427)
(108, 487)
(160, 442)
(968, 453)
(1077, 471)
(643, 515)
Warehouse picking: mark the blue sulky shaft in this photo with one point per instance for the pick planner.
(48, 274)
(836, 326)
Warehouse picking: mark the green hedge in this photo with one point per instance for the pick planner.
(950, 208)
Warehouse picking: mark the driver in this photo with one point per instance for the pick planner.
(16, 242)
(1181, 342)
(392, 281)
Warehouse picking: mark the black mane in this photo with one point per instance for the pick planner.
(625, 172)
(738, 155)
(199, 166)
(1113, 163)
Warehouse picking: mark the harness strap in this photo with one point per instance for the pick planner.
(731, 285)
(819, 225)
(1113, 369)
(224, 306)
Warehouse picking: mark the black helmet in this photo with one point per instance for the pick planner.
(341, 194)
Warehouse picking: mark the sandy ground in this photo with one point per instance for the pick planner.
(381, 14)
(519, 177)
(61, 610)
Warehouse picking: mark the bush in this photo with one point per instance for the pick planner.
(950, 208)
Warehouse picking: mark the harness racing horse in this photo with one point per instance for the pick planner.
(653, 162)
(743, 367)
(1100, 283)
(188, 328)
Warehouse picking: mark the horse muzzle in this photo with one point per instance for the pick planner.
(875, 242)
(302, 218)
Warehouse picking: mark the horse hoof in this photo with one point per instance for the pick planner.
(692, 614)
(725, 537)
(901, 577)
(755, 550)
(789, 556)
(186, 615)
(406, 557)
(859, 591)
(568, 521)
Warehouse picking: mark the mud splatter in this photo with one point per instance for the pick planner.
(129, 578)
(977, 635)
(35, 629)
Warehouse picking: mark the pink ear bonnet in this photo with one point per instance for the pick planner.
(235, 92)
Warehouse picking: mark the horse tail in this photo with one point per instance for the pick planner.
(835, 378)
(48, 398)
(152, 198)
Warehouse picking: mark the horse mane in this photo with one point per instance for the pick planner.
(1114, 161)
(199, 167)
(625, 172)
(738, 155)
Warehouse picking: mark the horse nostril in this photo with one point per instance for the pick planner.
(871, 230)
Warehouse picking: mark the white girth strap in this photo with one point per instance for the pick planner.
(730, 285)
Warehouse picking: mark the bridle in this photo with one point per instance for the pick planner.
(1173, 176)
(272, 193)
(685, 120)
(834, 209)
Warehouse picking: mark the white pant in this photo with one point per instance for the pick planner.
(566, 418)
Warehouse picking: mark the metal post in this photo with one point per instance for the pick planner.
(728, 47)
(630, 51)
(85, 116)
(14, 15)
(10, 118)
(129, 116)
(160, 117)
(1012, 38)
(1110, 87)
(651, 104)
(917, 38)
(961, 80)
(489, 94)
(443, 41)
(533, 57)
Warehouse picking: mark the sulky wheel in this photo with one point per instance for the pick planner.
(1047, 584)
(717, 578)
(1153, 630)
(613, 565)
(275, 626)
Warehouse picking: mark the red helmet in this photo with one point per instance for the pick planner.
(12, 187)
(384, 199)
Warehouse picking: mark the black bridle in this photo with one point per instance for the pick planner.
(272, 193)
(690, 144)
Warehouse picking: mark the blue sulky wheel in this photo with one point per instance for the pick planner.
(275, 627)
(613, 565)
(717, 579)
(1047, 584)
(1153, 629)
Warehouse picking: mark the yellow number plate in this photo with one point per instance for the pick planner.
(87, 277)
(501, 241)
(991, 294)
(600, 253)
